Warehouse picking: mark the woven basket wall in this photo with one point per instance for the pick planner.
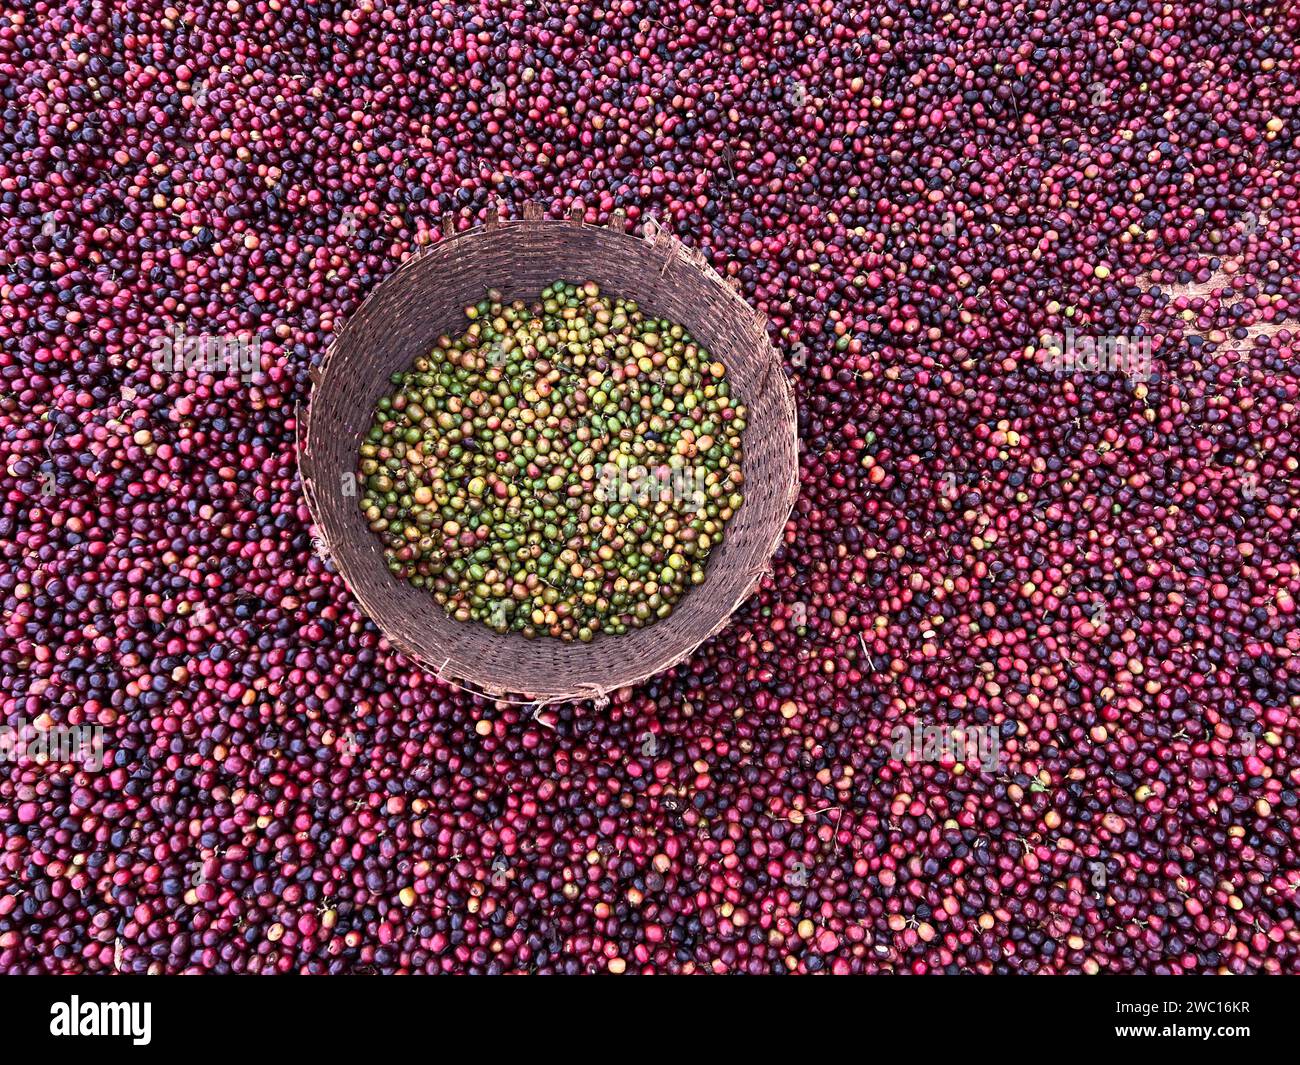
(425, 298)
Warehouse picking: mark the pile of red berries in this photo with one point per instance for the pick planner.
(1094, 567)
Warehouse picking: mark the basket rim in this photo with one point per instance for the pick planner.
(672, 249)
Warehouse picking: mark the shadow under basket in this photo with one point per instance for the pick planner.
(425, 298)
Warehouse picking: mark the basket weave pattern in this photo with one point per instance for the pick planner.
(424, 298)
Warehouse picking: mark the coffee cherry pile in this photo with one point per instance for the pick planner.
(560, 469)
(1100, 570)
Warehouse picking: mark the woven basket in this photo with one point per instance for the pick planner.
(424, 298)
